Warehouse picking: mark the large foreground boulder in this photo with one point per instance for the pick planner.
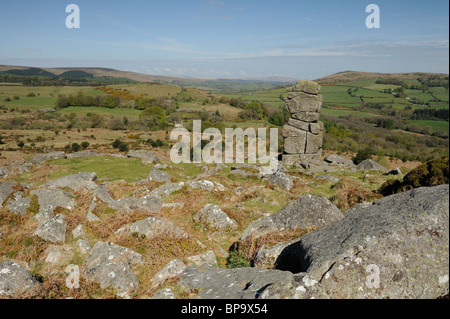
(307, 212)
(396, 247)
(15, 280)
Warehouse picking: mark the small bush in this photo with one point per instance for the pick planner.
(85, 145)
(75, 147)
(123, 147)
(363, 155)
(432, 173)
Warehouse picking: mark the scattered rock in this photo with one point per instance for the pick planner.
(306, 212)
(76, 182)
(15, 280)
(157, 175)
(18, 204)
(281, 179)
(53, 256)
(154, 227)
(82, 154)
(370, 165)
(328, 178)
(49, 199)
(150, 203)
(171, 270)
(6, 189)
(110, 265)
(4, 171)
(208, 258)
(215, 218)
(53, 230)
(47, 110)
(168, 188)
(339, 160)
(78, 231)
(84, 246)
(42, 158)
(147, 157)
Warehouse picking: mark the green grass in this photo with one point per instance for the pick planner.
(108, 168)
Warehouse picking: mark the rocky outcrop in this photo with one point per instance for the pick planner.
(147, 157)
(394, 248)
(303, 134)
(215, 218)
(76, 182)
(307, 212)
(110, 265)
(154, 227)
(157, 175)
(42, 158)
(339, 160)
(369, 164)
(53, 230)
(49, 199)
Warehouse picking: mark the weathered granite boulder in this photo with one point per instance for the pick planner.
(53, 230)
(147, 157)
(82, 154)
(49, 199)
(171, 270)
(306, 86)
(168, 188)
(396, 247)
(207, 258)
(281, 179)
(339, 160)
(215, 218)
(154, 227)
(158, 176)
(240, 283)
(18, 204)
(110, 265)
(369, 164)
(76, 182)
(150, 203)
(306, 212)
(42, 158)
(6, 189)
(15, 280)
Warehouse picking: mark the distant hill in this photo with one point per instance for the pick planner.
(209, 84)
(351, 76)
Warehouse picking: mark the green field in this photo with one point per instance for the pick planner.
(435, 125)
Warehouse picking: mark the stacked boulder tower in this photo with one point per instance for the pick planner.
(303, 134)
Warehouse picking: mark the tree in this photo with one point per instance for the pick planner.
(154, 118)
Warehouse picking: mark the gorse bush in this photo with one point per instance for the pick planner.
(432, 173)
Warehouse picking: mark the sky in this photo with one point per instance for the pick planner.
(228, 38)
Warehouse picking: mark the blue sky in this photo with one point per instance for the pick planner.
(226, 38)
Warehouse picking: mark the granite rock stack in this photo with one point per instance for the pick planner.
(303, 134)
